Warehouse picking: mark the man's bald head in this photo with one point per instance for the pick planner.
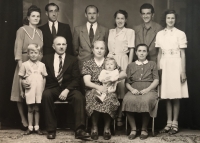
(59, 45)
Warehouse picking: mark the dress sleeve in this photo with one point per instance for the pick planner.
(86, 69)
(44, 71)
(131, 38)
(22, 70)
(19, 44)
(128, 72)
(157, 42)
(155, 71)
(182, 40)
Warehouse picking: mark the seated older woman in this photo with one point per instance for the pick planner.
(91, 70)
(142, 80)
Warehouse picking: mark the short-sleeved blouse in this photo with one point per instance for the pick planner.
(26, 35)
(141, 73)
(171, 39)
(91, 68)
(120, 42)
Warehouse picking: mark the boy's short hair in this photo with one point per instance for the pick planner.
(33, 47)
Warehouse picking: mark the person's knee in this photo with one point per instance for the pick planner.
(46, 94)
(30, 109)
(78, 96)
(36, 108)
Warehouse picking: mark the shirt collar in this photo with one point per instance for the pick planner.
(144, 27)
(32, 63)
(88, 24)
(51, 23)
(173, 29)
(141, 63)
(57, 56)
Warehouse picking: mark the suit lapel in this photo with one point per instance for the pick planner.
(140, 34)
(97, 33)
(85, 35)
(151, 34)
(66, 63)
(59, 29)
(48, 31)
(51, 64)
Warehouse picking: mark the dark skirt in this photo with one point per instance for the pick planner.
(141, 103)
(109, 105)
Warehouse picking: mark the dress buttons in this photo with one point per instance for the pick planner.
(141, 68)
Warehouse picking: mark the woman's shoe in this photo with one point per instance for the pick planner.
(174, 128)
(39, 132)
(167, 127)
(23, 128)
(94, 136)
(132, 136)
(107, 135)
(144, 136)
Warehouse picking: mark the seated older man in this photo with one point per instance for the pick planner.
(62, 83)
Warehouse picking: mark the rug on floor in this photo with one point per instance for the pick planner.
(67, 136)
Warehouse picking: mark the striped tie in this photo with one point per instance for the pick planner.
(60, 74)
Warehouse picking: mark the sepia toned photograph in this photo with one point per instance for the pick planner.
(103, 71)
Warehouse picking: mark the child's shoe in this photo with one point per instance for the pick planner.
(29, 131)
(37, 130)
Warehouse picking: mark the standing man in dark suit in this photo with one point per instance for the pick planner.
(145, 33)
(54, 28)
(85, 35)
(62, 83)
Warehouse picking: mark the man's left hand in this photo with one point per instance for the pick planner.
(64, 94)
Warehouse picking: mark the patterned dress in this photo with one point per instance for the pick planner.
(140, 77)
(110, 103)
(25, 35)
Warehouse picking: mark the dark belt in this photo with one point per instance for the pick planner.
(24, 52)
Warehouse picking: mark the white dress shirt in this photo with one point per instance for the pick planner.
(55, 24)
(57, 62)
(94, 27)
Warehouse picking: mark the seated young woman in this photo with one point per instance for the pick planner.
(91, 71)
(142, 80)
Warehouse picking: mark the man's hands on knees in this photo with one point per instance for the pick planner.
(64, 94)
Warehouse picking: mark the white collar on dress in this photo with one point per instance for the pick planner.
(99, 63)
(33, 63)
(141, 63)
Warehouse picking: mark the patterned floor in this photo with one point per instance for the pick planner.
(67, 136)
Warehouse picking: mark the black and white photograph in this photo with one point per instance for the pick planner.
(103, 71)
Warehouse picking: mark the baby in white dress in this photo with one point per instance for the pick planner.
(109, 77)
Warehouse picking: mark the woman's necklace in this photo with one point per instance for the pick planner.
(99, 62)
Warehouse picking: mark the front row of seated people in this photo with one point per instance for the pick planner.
(61, 73)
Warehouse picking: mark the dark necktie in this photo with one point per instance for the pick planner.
(91, 34)
(60, 74)
(53, 30)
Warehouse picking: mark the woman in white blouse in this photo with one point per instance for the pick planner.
(171, 60)
(121, 42)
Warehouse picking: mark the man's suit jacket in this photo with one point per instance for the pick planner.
(150, 39)
(71, 73)
(81, 42)
(63, 30)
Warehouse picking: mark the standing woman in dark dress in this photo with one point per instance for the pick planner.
(142, 80)
(27, 34)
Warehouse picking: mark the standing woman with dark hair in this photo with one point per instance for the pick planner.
(121, 41)
(171, 59)
(27, 34)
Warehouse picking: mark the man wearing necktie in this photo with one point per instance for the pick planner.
(85, 35)
(54, 28)
(62, 83)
